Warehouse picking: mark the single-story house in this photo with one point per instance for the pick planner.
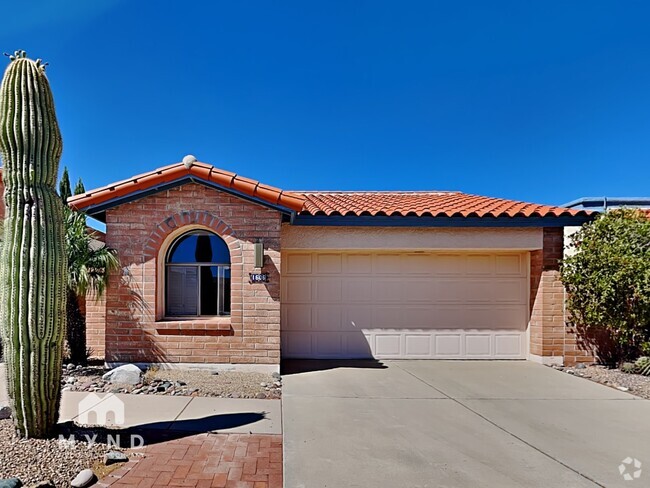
(220, 269)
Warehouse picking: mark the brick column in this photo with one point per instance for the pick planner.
(547, 329)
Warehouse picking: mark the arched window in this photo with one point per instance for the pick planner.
(197, 276)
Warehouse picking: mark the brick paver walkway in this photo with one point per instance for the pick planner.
(205, 460)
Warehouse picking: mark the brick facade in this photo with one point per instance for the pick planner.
(141, 232)
(96, 326)
(550, 340)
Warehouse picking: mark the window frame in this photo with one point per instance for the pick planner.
(222, 268)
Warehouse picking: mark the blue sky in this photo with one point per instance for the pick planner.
(537, 101)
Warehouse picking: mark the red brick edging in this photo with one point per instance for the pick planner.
(204, 460)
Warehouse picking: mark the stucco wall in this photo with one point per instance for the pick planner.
(307, 237)
(141, 231)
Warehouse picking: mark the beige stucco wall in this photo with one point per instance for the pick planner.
(401, 238)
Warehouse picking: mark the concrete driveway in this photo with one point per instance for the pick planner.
(457, 424)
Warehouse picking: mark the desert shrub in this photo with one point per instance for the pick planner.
(628, 367)
(642, 366)
(607, 280)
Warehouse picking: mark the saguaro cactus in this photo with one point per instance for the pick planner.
(33, 260)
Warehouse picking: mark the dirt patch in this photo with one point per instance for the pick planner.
(183, 382)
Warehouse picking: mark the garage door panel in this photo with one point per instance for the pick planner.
(417, 264)
(417, 345)
(485, 317)
(509, 291)
(480, 265)
(329, 264)
(359, 317)
(387, 290)
(328, 290)
(387, 264)
(450, 290)
(418, 290)
(358, 264)
(449, 264)
(405, 305)
(297, 344)
(357, 345)
(508, 345)
(297, 263)
(328, 345)
(297, 290)
(477, 345)
(388, 345)
(328, 318)
(357, 290)
(510, 264)
(297, 317)
(448, 345)
(387, 317)
(449, 316)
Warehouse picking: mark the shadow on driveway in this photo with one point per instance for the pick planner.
(156, 432)
(296, 366)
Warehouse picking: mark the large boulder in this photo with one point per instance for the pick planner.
(129, 374)
(84, 478)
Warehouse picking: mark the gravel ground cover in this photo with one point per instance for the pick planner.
(38, 460)
(635, 384)
(223, 384)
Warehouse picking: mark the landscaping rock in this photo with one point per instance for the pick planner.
(83, 479)
(5, 413)
(128, 374)
(11, 483)
(261, 396)
(276, 376)
(113, 457)
(580, 366)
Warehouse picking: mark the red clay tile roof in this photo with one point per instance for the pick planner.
(432, 204)
(174, 172)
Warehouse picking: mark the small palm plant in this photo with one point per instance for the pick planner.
(90, 264)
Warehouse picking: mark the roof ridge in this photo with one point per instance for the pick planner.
(188, 168)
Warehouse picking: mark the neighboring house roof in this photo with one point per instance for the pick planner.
(601, 204)
(324, 207)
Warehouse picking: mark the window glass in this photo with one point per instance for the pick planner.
(182, 290)
(198, 276)
(199, 247)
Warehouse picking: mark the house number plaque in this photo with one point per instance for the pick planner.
(259, 277)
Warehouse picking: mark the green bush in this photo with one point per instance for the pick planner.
(607, 279)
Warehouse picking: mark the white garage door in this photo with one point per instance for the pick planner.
(404, 305)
